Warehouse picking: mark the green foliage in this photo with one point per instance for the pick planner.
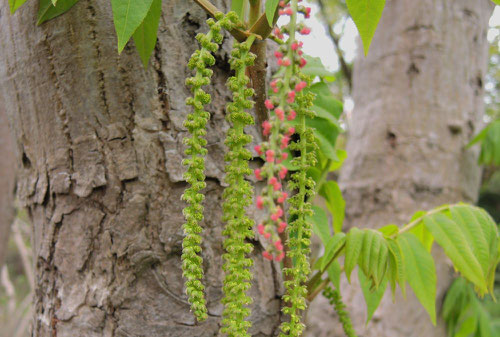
(420, 272)
(237, 196)
(271, 6)
(145, 34)
(15, 4)
(372, 296)
(330, 190)
(238, 6)
(394, 256)
(47, 10)
(366, 14)
(489, 138)
(195, 123)
(333, 296)
(128, 16)
(496, 1)
(464, 314)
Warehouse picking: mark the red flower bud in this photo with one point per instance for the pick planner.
(281, 227)
(267, 255)
(283, 172)
(269, 104)
(266, 128)
(291, 116)
(283, 197)
(280, 113)
(260, 202)
(261, 229)
(258, 149)
(277, 186)
(305, 31)
(284, 142)
(278, 54)
(288, 11)
(286, 62)
(291, 130)
(291, 97)
(257, 173)
(303, 62)
(278, 245)
(273, 181)
(280, 257)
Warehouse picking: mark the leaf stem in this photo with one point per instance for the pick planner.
(415, 222)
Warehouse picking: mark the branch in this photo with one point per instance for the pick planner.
(238, 34)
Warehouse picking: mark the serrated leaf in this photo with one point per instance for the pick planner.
(372, 297)
(146, 33)
(128, 16)
(15, 4)
(353, 245)
(368, 251)
(238, 6)
(321, 226)
(271, 6)
(449, 235)
(332, 248)
(330, 190)
(366, 14)
(314, 67)
(396, 267)
(47, 11)
(420, 272)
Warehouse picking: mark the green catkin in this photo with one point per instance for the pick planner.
(333, 296)
(299, 230)
(196, 151)
(237, 196)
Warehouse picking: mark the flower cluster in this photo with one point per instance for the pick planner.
(333, 296)
(237, 196)
(196, 123)
(286, 85)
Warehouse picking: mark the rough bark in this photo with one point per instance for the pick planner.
(100, 144)
(418, 99)
(7, 183)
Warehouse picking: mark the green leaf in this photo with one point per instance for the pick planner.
(389, 230)
(353, 245)
(321, 226)
(366, 15)
(54, 2)
(15, 4)
(325, 133)
(128, 16)
(314, 67)
(238, 6)
(341, 155)
(271, 6)
(332, 248)
(396, 266)
(420, 272)
(47, 11)
(490, 144)
(334, 272)
(330, 190)
(449, 235)
(372, 296)
(497, 2)
(325, 105)
(145, 35)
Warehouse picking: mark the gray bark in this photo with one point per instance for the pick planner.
(418, 99)
(100, 144)
(7, 183)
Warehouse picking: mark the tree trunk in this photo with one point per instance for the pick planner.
(418, 100)
(100, 144)
(7, 183)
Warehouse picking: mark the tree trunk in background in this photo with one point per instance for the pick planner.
(7, 183)
(100, 143)
(418, 100)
